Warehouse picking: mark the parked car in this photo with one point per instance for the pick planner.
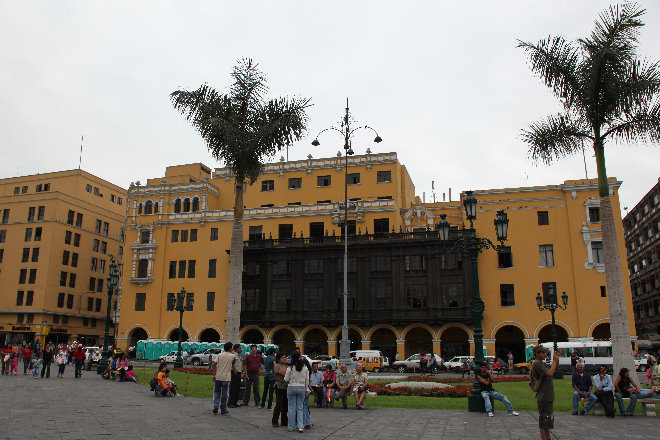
(454, 364)
(96, 353)
(171, 357)
(323, 360)
(203, 357)
(641, 362)
(412, 363)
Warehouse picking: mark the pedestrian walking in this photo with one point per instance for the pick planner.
(280, 412)
(61, 361)
(269, 378)
(78, 361)
(6, 359)
(236, 377)
(36, 364)
(541, 376)
(509, 359)
(46, 360)
(27, 358)
(297, 377)
(253, 364)
(221, 378)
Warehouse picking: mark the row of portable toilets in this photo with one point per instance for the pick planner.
(152, 349)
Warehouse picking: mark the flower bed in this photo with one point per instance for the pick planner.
(193, 370)
(461, 380)
(404, 390)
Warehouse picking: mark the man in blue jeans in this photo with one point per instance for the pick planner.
(485, 379)
(582, 384)
(222, 366)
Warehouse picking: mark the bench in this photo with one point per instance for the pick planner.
(648, 406)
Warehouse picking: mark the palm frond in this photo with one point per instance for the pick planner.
(556, 137)
(555, 62)
(617, 30)
(639, 85)
(249, 86)
(643, 126)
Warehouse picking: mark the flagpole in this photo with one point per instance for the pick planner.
(81, 146)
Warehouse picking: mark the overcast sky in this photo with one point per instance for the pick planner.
(442, 82)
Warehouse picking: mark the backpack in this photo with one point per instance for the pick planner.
(534, 383)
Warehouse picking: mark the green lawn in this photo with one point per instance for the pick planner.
(518, 393)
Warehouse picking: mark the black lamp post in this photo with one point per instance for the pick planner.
(184, 303)
(347, 132)
(549, 302)
(473, 245)
(112, 280)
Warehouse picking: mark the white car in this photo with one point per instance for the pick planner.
(412, 363)
(171, 357)
(641, 362)
(95, 351)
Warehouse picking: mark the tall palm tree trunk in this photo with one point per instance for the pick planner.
(619, 328)
(235, 286)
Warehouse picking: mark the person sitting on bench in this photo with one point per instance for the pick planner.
(626, 388)
(604, 388)
(582, 385)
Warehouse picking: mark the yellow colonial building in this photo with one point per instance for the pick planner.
(408, 292)
(57, 233)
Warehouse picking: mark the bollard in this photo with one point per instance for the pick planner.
(185, 392)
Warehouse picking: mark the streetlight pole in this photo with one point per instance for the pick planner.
(347, 132)
(473, 246)
(550, 303)
(113, 278)
(184, 303)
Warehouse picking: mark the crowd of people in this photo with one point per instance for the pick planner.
(292, 379)
(37, 360)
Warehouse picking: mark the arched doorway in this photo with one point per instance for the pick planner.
(384, 339)
(253, 336)
(174, 336)
(209, 335)
(418, 340)
(454, 342)
(316, 342)
(510, 338)
(545, 335)
(138, 334)
(285, 340)
(354, 336)
(602, 332)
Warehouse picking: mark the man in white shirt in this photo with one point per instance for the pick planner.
(223, 365)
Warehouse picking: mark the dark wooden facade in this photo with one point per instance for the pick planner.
(398, 279)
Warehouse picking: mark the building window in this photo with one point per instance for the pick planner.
(416, 296)
(17, 190)
(139, 208)
(106, 229)
(323, 180)
(381, 226)
(26, 255)
(95, 263)
(120, 252)
(316, 229)
(24, 189)
(415, 262)
(171, 301)
(67, 237)
(506, 295)
(384, 176)
(214, 234)
(76, 240)
(96, 191)
(184, 236)
(5, 216)
(155, 208)
(22, 276)
(549, 293)
(546, 255)
(175, 236)
(33, 276)
(88, 188)
(2, 254)
(104, 247)
(92, 284)
(210, 301)
(177, 205)
(97, 226)
(594, 214)
(72, 280)
(172, 271)
(92, 322)
(69, 301)
(28, 234)
(148, 207)
(143, 267)
(380, 263)
(79, 220)
(37, 234)
(65, 258)
(35, 255)
(267, 185)
(29, 298)
(255, 233)
(144, 236)
(3, 235)
(182, 269)
(60, 299)
(191, 268)
(140, 300)
(195, 204)
(90, 304)
(251, 299)
(95, 245)
(543, 218)
(281, 268)
(285, 231)
(193, 235)
(603, 291)
(19, 318)
(97, 305)
(19, 298)
(597, 252)
(295, 182)
(504, 257)
(313, 266)
(74, 259)
(212, 268)
(353, 178)
(41, 212)
(186, 205)
(30, 217)
(99, 285)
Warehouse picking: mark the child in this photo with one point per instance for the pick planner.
(36, 365)
(130, 374)
(61, 360)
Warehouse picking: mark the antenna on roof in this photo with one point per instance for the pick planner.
(81, 144)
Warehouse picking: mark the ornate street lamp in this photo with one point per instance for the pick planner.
(184, 303)
(549, 302)
(347, 132)
(112, 280)
(473, 246)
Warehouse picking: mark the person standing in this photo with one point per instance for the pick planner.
(27, 358)
(423, 363)
(574, 361)
(15, 353)
(509, 359)
(78, 361)
(253, 364)
(6, 359)
(545, 395)
(281, 402)
(46, 360)
(236, 377)
(269, 378)
(485, 379)
(316, 384)
(223, 365)
(297, 376)
(334, 362)
(61, 361)
(604, 389)
(582, 385)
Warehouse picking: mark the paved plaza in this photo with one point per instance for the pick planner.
(92, 408)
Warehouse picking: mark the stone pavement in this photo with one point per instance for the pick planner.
(92, 408)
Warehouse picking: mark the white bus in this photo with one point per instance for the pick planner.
(594, 353)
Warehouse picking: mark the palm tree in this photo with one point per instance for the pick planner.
(607, 93)
(242, 129)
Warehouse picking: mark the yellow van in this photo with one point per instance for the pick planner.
(372, 364)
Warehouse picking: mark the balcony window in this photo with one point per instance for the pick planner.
(295, 183)
(353, 178)
(505, 258)
(546, 255)
(268, 185)
(323, 180)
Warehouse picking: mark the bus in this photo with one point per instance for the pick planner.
(596, 354)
